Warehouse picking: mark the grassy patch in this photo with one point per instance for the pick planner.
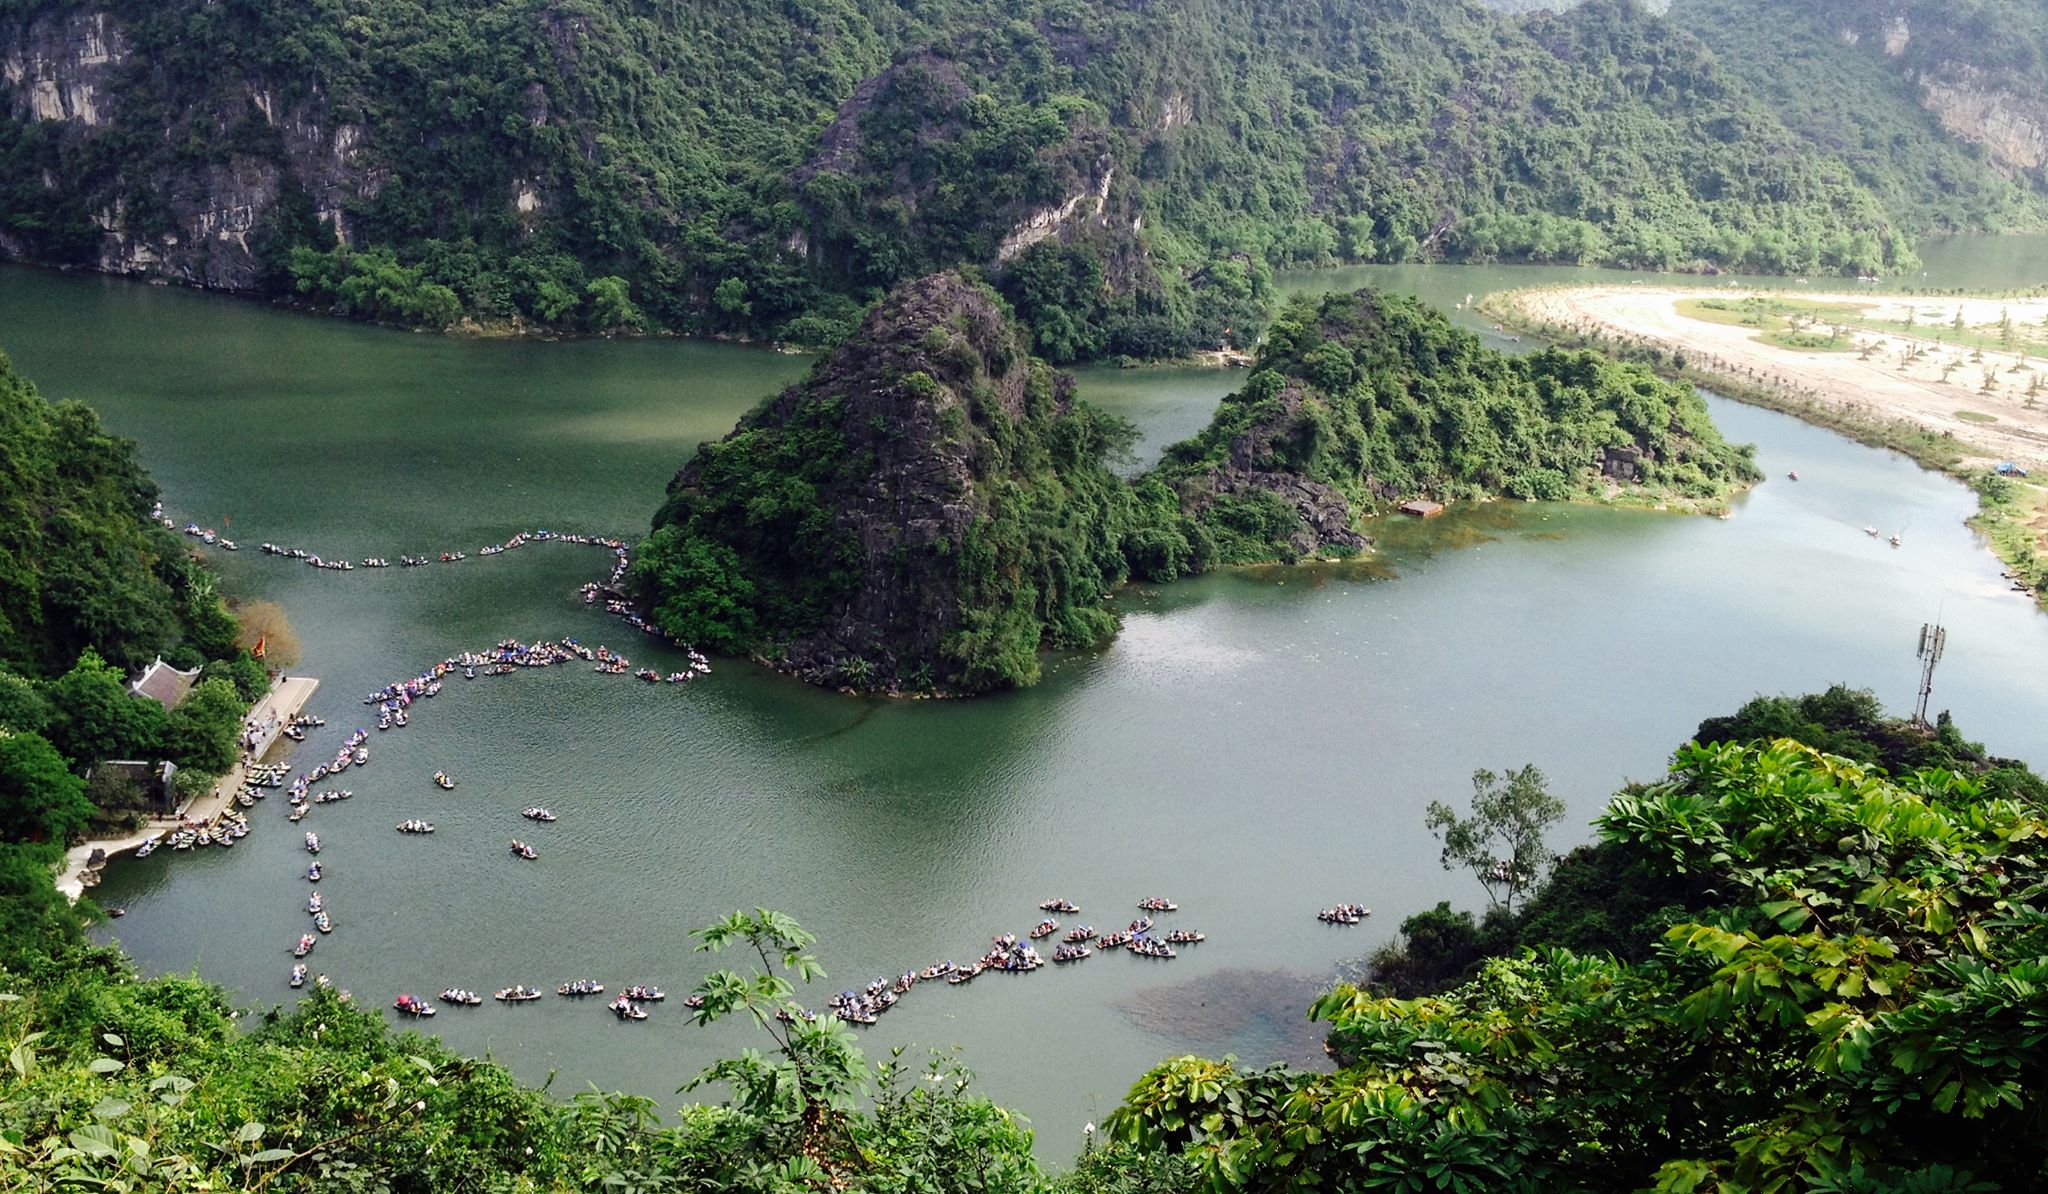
(1975, 416)
(2013, 518)
(1782, 323)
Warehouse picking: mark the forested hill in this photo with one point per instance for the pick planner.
(933, 505)
(1129, 172)
(1939, 106)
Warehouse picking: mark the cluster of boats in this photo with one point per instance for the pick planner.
(1344, 914)
(232, 827)
(867, 1005)
(209, 536)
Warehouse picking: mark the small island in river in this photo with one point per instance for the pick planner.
(932, 505)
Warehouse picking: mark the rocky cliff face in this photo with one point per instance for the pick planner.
(193, 217)
(1976, 69)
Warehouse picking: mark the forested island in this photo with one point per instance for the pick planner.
(933, 506)
(1129, 175)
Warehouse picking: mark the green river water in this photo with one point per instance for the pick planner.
(1256, 745)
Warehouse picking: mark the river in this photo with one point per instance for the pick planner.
(1256, 745)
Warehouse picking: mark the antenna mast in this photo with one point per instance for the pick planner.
(1933, 639)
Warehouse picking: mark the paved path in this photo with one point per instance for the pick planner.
(278, 706)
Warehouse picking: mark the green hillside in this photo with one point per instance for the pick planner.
(1868, 83)
(765, 170)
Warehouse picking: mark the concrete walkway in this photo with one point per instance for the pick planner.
(271, 714)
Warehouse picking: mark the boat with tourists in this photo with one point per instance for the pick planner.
(298, 978)
(1186, 937)
(642, 993)
(625, 1009)
(411, 1006)
(537, 813)
(305, 946)
(323, 922)
(461, 998)
(415, 826)
(314, 872)
(1158, 904)
(522, 850)
(1344, 914)
(1072, 953)
(442, 781)
(312, 843)
(1057, 905)
(1044, 928)
(518, 994)
(580, 987)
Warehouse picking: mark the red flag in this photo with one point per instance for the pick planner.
(257, 651)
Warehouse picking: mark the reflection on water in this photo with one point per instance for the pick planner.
(1258, 1014)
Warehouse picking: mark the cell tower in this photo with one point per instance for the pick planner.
(1933, 638)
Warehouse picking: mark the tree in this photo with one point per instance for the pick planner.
(611, 305)
(264, 622)
(40, 799)
(200, 734)
(1501, 843)
(94, 716)
(809, 1091)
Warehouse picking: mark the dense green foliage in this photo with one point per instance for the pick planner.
(1381, 399)
(81, 565)
(121, 1083)
(1603, 898)
(767, 170)
(92, 589)
(1850, 1002)
(926, 511)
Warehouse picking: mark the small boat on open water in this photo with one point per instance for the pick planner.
(410, 1006)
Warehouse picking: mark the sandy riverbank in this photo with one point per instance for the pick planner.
(283, 702)
(1872, 386)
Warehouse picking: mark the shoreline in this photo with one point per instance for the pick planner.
(284, 701)
(1790, 381)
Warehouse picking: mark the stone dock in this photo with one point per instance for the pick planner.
(263, 726)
